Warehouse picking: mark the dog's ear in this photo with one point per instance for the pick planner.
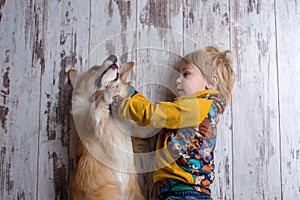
(125, 71)
(72, 73)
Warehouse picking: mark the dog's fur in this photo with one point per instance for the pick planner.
(105, 163)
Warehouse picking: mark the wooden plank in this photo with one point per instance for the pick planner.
(288, 31)
(19, 99)
(256, 171)
(112, 31)
(64, 44)
(207, 23)
(159, 48)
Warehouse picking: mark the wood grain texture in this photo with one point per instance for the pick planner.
(112, 30)
(288, 31)
(64, 44)
(256, 155)
(19, 99)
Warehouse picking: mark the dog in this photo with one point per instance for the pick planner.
(105, 161)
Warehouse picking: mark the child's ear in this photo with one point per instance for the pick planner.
(214, 82)
(72, 74)
(125, 71)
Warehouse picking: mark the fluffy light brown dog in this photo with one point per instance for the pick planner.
(105, 167)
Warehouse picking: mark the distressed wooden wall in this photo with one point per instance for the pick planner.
(258, 152)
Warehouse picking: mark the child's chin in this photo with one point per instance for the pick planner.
(181, 93)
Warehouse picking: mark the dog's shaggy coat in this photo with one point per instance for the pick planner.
(105, 166)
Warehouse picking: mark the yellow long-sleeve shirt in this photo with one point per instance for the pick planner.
(188, 114)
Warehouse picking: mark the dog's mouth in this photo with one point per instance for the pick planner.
(107, 73)
(110, 73)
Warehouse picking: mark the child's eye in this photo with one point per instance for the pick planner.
(185, 74)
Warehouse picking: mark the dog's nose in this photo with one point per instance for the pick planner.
(112, 58)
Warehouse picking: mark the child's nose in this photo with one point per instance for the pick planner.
(178, 81)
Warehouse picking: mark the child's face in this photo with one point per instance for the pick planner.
(190, 80)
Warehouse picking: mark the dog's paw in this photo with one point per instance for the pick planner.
(111, 91)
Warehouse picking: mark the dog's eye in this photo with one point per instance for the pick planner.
(96, 67)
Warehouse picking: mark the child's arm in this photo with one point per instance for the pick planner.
(183, 112)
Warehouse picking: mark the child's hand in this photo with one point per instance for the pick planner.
(117, 99)
(131, 89)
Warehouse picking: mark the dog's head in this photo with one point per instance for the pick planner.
(88, 86)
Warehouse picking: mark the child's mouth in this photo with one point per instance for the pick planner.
(179, 90)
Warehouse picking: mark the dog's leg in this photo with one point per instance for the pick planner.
(100, 108)
(133, 190)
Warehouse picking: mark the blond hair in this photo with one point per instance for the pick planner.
(213, 62)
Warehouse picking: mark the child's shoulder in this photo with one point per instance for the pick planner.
(218, 102)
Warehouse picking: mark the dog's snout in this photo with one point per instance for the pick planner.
(112, 58)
